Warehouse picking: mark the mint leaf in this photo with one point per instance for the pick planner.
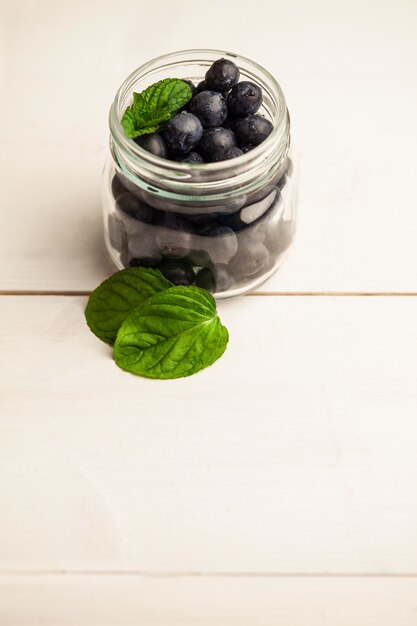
(128, 122)
(155, 106)
(111, 303)
(172, 334)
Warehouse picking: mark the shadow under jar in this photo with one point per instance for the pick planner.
(222, 226)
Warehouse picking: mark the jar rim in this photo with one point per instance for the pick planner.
(182, 173)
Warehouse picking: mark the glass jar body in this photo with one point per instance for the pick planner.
(225, 227)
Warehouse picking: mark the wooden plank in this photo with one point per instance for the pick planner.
(358, 223)
(109, 600)
(293, 453)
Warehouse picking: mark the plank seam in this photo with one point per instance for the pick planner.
(325, 294)
(195, 574)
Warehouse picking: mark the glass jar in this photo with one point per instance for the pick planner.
(223, 226)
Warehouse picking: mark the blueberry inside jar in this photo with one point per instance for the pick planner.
(208, 196)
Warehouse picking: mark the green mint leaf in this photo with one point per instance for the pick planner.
(128, 123)
(111, 303)
(155, 106)
(172, 334)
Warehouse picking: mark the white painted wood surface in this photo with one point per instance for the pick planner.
(280, 485)
(348, 70)
(201, 601)
(296, 452)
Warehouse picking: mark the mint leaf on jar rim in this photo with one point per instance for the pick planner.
(173, 334)
(155, 106)
(113, 301)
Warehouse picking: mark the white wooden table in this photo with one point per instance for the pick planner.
(280, 485)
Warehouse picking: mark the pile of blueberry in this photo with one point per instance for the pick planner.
(220, 121)
(217, 251)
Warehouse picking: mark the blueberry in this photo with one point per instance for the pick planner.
(247, 148)
(252, 130)
(201, 87)
(254, 211)
(193, 157)
(222, 75)
(130, 224)
(251, 258)
(153, 143)
(116, 231)
(224, 278)
(210, 108)
(191, 86)
(199, 258)
(174, 236)
(244, 99)
(178, 272)
(206, 279)
(220, 242)
(133, 207)
(279, 237)
(127, 203)
(144, 262)
(215, 141)
(117, 188)
(142, 243)
(262, 217)
(141, 237)
(182, 133)
(232, 153)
